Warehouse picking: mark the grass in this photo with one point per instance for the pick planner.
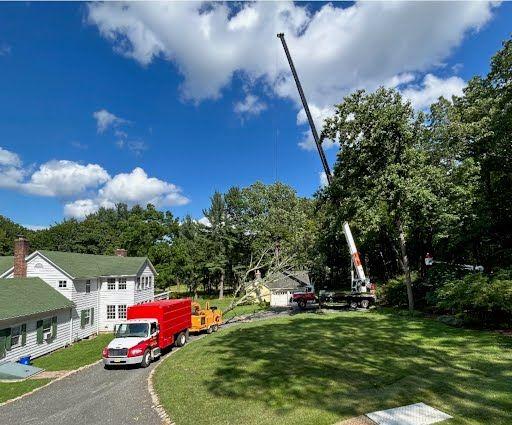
(237, 311)
(77, 355)
(318, 369)
(14, 389)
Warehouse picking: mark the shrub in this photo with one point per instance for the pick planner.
(478, 298)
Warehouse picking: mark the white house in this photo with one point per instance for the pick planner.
(101, 287)
(35, 319)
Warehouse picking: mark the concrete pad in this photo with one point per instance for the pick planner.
(14, 371)
(413, 414)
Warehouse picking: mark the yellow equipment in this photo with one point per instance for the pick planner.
(207, 319)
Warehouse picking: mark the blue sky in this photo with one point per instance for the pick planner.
(192, 115)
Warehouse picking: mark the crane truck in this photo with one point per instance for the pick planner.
(362, 290)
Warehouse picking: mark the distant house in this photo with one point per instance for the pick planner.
(277, 292)
(34, 318)
(101, 287)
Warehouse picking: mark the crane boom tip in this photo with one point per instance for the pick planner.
(280, 35)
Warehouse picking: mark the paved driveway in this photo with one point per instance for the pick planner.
(95, 396)
(92, 396)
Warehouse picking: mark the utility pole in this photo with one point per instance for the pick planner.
(318, 142)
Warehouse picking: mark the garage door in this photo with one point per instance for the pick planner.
(280, 299)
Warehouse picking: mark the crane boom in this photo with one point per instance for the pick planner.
(359, 284)
(318, 142)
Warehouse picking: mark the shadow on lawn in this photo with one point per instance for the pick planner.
(354, 364)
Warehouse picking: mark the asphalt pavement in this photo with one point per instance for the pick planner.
(94, 395)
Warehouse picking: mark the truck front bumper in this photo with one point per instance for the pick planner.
(116, 361)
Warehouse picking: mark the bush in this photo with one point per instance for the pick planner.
(393, 293)
(479, 299)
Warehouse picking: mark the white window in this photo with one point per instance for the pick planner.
(87, 286)
(138, 283)
(146, 282)
(86, 317)
(63, 283)
(150, 278)
(122, 283)
(111, 311)
(121, 311)
(16, 336)
(47, 326)
(111, 284)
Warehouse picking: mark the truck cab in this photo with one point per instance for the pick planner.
(135, 342)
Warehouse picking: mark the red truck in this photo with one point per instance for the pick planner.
(149, 329)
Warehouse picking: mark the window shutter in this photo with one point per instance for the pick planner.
(23, 334)
(39, 331)
(82, 319)
(54, 327)
(92, 316)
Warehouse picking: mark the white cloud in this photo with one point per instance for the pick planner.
(204, 221)
(105, 120)
(80, 208)
(323, 179)
(137, 188)
(251, 105)
(432, 88)
(70, 180)
(65, 178)
(8, 158)
(336, 49)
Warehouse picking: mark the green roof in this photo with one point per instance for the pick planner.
(6, 263)
(90, 265)
(24, 296)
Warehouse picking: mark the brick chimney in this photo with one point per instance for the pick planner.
(20, 252)
(121, 252)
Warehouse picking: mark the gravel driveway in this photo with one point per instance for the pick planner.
(96, 396)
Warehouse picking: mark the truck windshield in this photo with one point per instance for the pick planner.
(126, 330)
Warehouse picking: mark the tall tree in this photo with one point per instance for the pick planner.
(379, 176)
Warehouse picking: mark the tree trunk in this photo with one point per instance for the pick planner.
(221, 285)
(405, 263)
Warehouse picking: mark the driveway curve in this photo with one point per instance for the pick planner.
(96, 396)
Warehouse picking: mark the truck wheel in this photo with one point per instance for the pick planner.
(365, 303)
(215, 328)
(209, 330)
(353, 304)
(181, 340)
(302, 304)
(146, 359)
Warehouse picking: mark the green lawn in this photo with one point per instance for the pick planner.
(237, 311)
(15, 389)
(318, 369)
(77, 355)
